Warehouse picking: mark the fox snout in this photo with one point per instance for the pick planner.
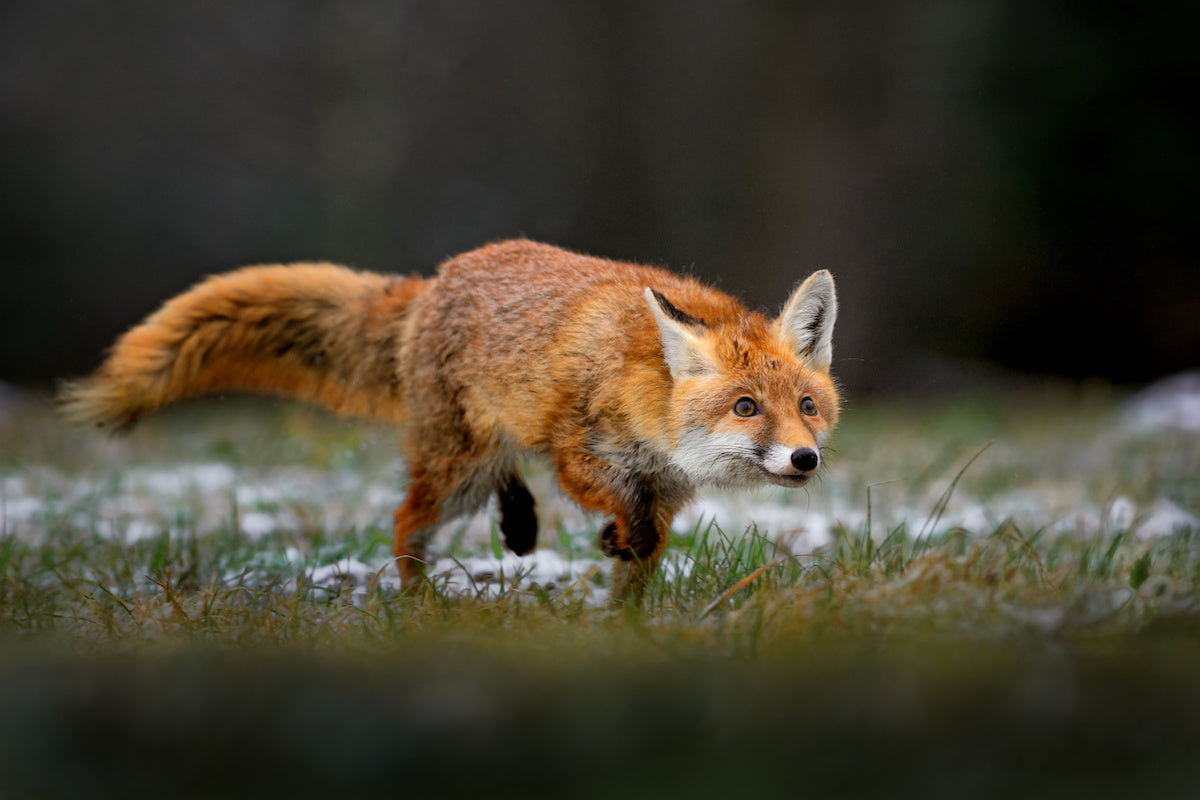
(790, 466)
(805, 459)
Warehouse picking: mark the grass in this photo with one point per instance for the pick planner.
(982, 620)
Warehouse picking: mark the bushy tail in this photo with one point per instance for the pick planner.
(315, 332)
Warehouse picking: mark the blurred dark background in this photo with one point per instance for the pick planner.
(1008, 184)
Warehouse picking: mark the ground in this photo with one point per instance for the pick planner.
(981, 595)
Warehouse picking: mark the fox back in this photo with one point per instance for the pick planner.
(645, 367)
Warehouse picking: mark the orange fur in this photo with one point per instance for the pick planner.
(513, 347)
(315, 332)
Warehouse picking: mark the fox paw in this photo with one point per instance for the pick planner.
(520, 535)
(518, 518)
(612, 546)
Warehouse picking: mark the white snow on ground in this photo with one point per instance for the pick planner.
(203, 478)
(202, 498)
(257, 524)
(1169, 404)
(546, 570)
(1164, 518)
(801, 528)
(480, 577)
(296, 503)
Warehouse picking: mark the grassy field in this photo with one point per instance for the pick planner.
(980, 598)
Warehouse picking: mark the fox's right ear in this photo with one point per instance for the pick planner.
(807, 320)
(683, 350)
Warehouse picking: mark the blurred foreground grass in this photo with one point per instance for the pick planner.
(905, 657)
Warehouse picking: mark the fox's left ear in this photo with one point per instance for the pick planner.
(806, 322)
(682, 349)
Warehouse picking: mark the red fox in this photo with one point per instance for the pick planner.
(639, 385)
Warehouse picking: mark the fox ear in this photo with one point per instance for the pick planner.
(682, 349)
(806, 322)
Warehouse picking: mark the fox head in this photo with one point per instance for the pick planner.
(752, 400)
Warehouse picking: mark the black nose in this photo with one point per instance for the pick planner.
(805, 459)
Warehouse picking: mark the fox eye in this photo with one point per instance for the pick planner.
(745, 407)
(808, 407)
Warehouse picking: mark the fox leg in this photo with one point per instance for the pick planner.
(416, 522)
(638, 533)
(518, 518)
(637, 552)
(426, 504)
(452, 482)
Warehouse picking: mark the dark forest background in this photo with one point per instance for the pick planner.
(999, 186)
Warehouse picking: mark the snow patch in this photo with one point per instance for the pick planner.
(1121, 514)
(544, 569)
(1169, 404)
(138, 529)
(804, 530)
(176, 481)
(1164, 518)
(340, 571)
(256, 524)
(22, 509)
